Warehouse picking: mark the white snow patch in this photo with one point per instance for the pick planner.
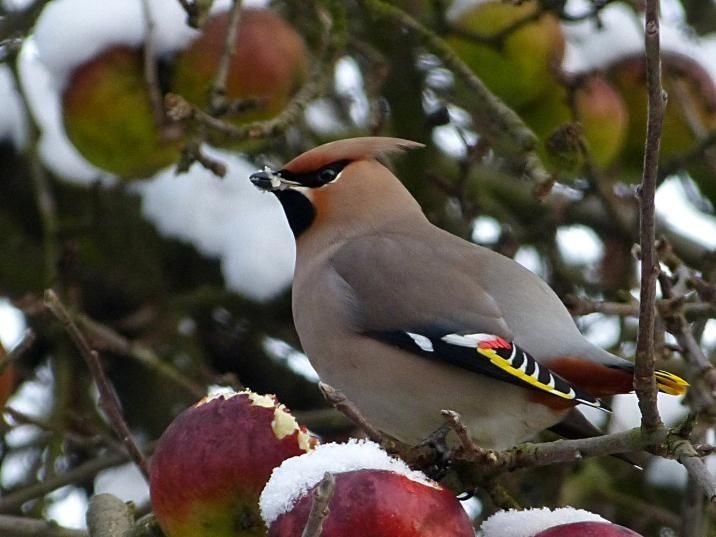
(297, 475)
(67, 507)
(349, 86)
(56, 151)
(579, 245)
(514, 523)
(295, 360)
(226, 218)
(529, 257)
(12, 324)
(70, 32)
(13, 123)
(124, 481)
(626, 414)
(485, 230)
(673, 207)
(602, 330)
(622, 34)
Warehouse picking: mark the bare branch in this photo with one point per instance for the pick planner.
(644, 380)
(151, 76)
(341, 403)
(108, 516)
(108, 399)
(320, 510)
(506, 132)
(218, 103)
(82, 472)
(29, 527)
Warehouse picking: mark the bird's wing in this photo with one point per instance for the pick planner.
(489, 355)
(422, 298)
(401, 282)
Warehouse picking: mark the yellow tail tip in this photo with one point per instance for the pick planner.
(670, 383)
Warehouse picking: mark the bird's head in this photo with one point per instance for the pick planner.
(334, 180)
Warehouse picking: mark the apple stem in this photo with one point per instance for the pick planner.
(218, 104)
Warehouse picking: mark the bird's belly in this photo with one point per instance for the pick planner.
(402, 394)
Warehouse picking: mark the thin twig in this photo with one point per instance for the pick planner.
(31, 527)
(151, 76)
(320, 510)
(644, 380)
(334, 36)
(108, 400)
(104, 338)
(87, 470)
(27, 340)
(341, 403)
(506, 132)
(496, 39)
(218, 103)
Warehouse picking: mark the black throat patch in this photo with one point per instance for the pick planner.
(299, 210)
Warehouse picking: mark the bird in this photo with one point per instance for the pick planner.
(407, 320)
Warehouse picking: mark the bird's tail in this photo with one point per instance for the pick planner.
(670, 383)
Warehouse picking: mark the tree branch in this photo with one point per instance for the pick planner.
(17, 526)
(218, 104)
(108, 400)
(108, 516)
(320, 510)
(644, 380)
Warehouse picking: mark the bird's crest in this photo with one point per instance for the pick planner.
(368, 147)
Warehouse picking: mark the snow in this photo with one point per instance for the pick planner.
(12, 324)
(13, 123)
(579, 245)
(297, 475)
(67, 507)
(622, 34)
(70, 32)
(226, 218)
(124, 481)
(673, 207)
(55, 150)
(526, 523)
(626, 413)
(285, 354)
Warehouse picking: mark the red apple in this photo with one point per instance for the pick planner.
(212, 462)
(387, 501)
(588, 529)
(108, 116)
(269, 62)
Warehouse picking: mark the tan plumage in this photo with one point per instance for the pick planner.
(383, 302)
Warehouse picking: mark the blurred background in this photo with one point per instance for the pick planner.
(177, 270)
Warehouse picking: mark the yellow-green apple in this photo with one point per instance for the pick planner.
(108, 115)
(516, 67)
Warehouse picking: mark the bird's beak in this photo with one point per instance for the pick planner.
(271, 181)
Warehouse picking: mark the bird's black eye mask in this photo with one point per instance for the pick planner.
(299, 210)
(272, 181)
(316, 179)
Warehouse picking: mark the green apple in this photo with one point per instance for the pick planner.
(517, 69)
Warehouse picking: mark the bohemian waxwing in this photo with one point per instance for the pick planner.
(406, 319)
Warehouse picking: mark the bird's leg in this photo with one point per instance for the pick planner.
(442, 458)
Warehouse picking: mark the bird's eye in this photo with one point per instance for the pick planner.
(327, 175)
